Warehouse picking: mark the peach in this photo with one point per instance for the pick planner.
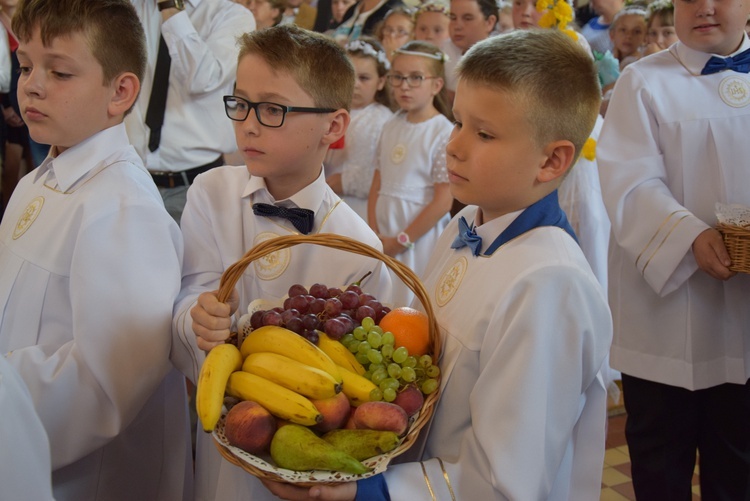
(250, 427)
(410, 399)
(350, 424)
(335, 411)
(384, 416)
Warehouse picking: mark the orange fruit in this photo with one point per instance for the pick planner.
(410, 328)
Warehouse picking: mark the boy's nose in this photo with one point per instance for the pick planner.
(251, 125)
(706, 7)
(453, 147)
(31, 84)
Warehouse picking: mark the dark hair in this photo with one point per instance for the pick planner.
(112, 29)
(489, 8)
(317, 63)
(548, 72)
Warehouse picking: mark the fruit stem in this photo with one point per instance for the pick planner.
(359, 282)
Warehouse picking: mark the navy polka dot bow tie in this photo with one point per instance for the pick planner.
(302, 219)
(739, 63)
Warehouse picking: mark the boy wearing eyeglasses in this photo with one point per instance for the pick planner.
(286, 111)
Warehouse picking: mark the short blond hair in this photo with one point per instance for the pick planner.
(550, 73)
(317, 63)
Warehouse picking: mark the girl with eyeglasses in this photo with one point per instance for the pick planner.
(410, 199)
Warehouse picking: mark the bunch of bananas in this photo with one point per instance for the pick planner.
(282, 371)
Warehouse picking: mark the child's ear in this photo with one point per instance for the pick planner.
(125, 89)
(560, 155)
(337, 126)
(381, 83)
(437, 85)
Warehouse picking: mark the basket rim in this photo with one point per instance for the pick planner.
(234, 272)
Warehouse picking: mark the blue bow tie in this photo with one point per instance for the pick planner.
(467, 237)
(739, 63)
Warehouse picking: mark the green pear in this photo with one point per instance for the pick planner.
(297, 448)
(362, 444)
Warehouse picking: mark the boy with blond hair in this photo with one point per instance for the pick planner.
(525, 324)
(286, 110)
(682, 325)
(91, 263)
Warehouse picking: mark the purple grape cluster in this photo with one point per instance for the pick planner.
(329, 309)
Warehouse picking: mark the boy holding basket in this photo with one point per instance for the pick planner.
(286, 110)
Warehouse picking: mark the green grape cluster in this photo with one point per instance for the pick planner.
(388, 367)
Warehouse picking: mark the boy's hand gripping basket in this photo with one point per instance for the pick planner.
(263, 467)
(734, 226)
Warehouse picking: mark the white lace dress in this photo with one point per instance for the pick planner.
(411, 161)
(356, 161)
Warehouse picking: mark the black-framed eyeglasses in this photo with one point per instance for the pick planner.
(268, 114)
(413, 80)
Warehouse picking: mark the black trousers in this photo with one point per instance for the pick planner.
(665, 427)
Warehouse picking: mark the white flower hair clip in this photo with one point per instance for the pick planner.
(368, 50)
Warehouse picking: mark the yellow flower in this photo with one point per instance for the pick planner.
(589, 149)
(543, 5)
(547, 20)
(571, 33)
(563, 12)
(556, 13)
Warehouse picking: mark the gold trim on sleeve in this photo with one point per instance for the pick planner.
(643, 271)
(658, 230)
(427, 481)
(447, 480)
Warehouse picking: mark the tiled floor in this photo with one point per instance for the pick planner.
(616, 482)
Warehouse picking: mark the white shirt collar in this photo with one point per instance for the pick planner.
(490, 230)
(76, 162)
(309, 197)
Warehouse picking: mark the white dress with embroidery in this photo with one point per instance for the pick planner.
(411, 161)
(356, 161)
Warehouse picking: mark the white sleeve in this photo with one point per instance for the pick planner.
(24, 448)
(206, 65)
(124, 278)
(652, 227)
(201, 272)
(5, 64)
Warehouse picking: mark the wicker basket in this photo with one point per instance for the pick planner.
(263, 467)
(737, 241)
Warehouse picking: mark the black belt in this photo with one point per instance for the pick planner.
(185, 177)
